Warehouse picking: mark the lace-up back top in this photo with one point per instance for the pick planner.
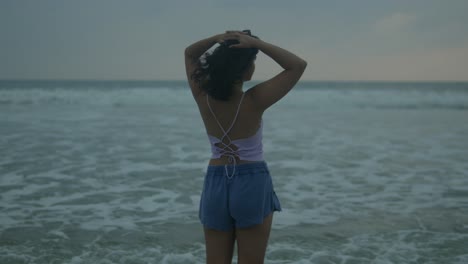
(249, 149)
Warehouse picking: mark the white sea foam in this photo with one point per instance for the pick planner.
(115, 176)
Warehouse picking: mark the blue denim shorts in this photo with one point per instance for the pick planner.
(237, 196)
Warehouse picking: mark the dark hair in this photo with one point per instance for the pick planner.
(219, 70)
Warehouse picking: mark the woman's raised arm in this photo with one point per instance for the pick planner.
(193, 54)
(269, 92)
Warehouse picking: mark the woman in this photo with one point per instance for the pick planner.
(238, 200)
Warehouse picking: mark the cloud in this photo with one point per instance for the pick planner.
(394, 23)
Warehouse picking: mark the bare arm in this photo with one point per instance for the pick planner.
(269, 92)
(193, 54)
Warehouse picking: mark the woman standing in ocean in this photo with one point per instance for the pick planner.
(238, 199)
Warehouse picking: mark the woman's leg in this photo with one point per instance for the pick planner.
(252, 242)
(219, 246)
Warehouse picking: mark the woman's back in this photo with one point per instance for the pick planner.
(245, 125)
(234, 124)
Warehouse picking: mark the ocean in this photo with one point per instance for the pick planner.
(112, 171)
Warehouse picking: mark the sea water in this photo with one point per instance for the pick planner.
(111, 172)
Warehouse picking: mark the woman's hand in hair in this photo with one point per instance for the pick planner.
(244, 39)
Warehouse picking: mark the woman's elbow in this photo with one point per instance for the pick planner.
(300, 66)
(303, 64)
(186, 52)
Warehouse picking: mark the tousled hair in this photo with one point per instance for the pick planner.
(219, 70)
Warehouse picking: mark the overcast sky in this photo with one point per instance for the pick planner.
(143, 39)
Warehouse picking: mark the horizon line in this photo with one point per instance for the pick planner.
(185, 80)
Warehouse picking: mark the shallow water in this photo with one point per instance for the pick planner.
(370, 174)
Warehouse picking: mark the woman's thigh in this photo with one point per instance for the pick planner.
(219, 246)
(252, 242)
